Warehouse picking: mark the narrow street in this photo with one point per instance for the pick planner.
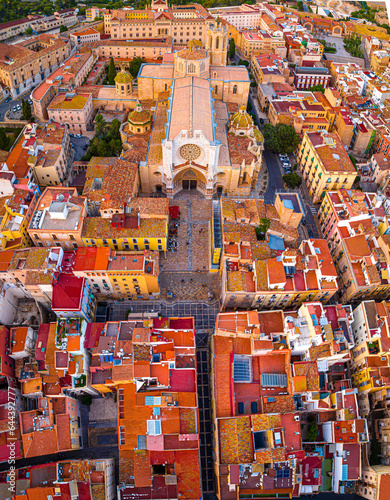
(275, 180)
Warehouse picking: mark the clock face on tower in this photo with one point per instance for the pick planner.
(190, 152)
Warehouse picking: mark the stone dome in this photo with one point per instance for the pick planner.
(241, 119)
(123, 77)
(139, 116)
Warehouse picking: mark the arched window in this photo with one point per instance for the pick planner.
(210, 42)
(217, 43)
(191, 68)
(235, 90)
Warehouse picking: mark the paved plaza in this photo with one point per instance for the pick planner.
(192, 244)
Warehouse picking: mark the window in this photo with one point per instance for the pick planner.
(216, 89)
(154, 427)
(235, 90)
(54, 236)
(242, 368)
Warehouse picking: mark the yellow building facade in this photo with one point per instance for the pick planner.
(324, 164)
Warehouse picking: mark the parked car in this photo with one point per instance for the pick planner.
(8, 99)
(15, 109)
(261, 121)
(30, 101)
(310, 233)
(78, 136)
(19, 107)
(86, 146)
(71, 145)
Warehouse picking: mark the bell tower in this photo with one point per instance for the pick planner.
(216, 43)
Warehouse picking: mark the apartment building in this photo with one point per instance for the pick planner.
(375, 482)
(380, 168)
(345, 213)
(356, 131)
(324, 163)
(92, 12)
(370, 368)
(261, 42)
(32, 270)
(25, 64)
(86, 478)
(58, 218)
(160, 409)
(306, 77)
(242, 16)
(37, 23)
(119, 274)
(363, 263)
(51, 428)
(304, 111)
(123, 51)
(246, 436)
(269, 68)
(66, 78)
(15, 213)
(62, 354)
(182, 23)
(84, 36)
(266, 272)
(76, 110)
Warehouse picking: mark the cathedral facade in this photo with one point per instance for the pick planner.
(196, 142)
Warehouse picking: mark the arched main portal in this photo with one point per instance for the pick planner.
(190, 179)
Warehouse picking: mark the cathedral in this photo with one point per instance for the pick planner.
(201, 137)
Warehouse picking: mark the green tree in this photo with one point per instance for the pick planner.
(353, 160)
(135, 66)
(26, 111)
(86, 399)
(292, 180)
(262, 228)
(312, 431)
(63, 28)
(102, 149)
(4, 141)
(29, 31)
(100, 127)
(317, 88)
(281, 139)
(232, 48)
(330, 14)
(114, 129)
(300, 6)
(111, 73)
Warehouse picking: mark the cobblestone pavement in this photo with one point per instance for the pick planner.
(192, 286)
(193, 239)
(204, 313)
